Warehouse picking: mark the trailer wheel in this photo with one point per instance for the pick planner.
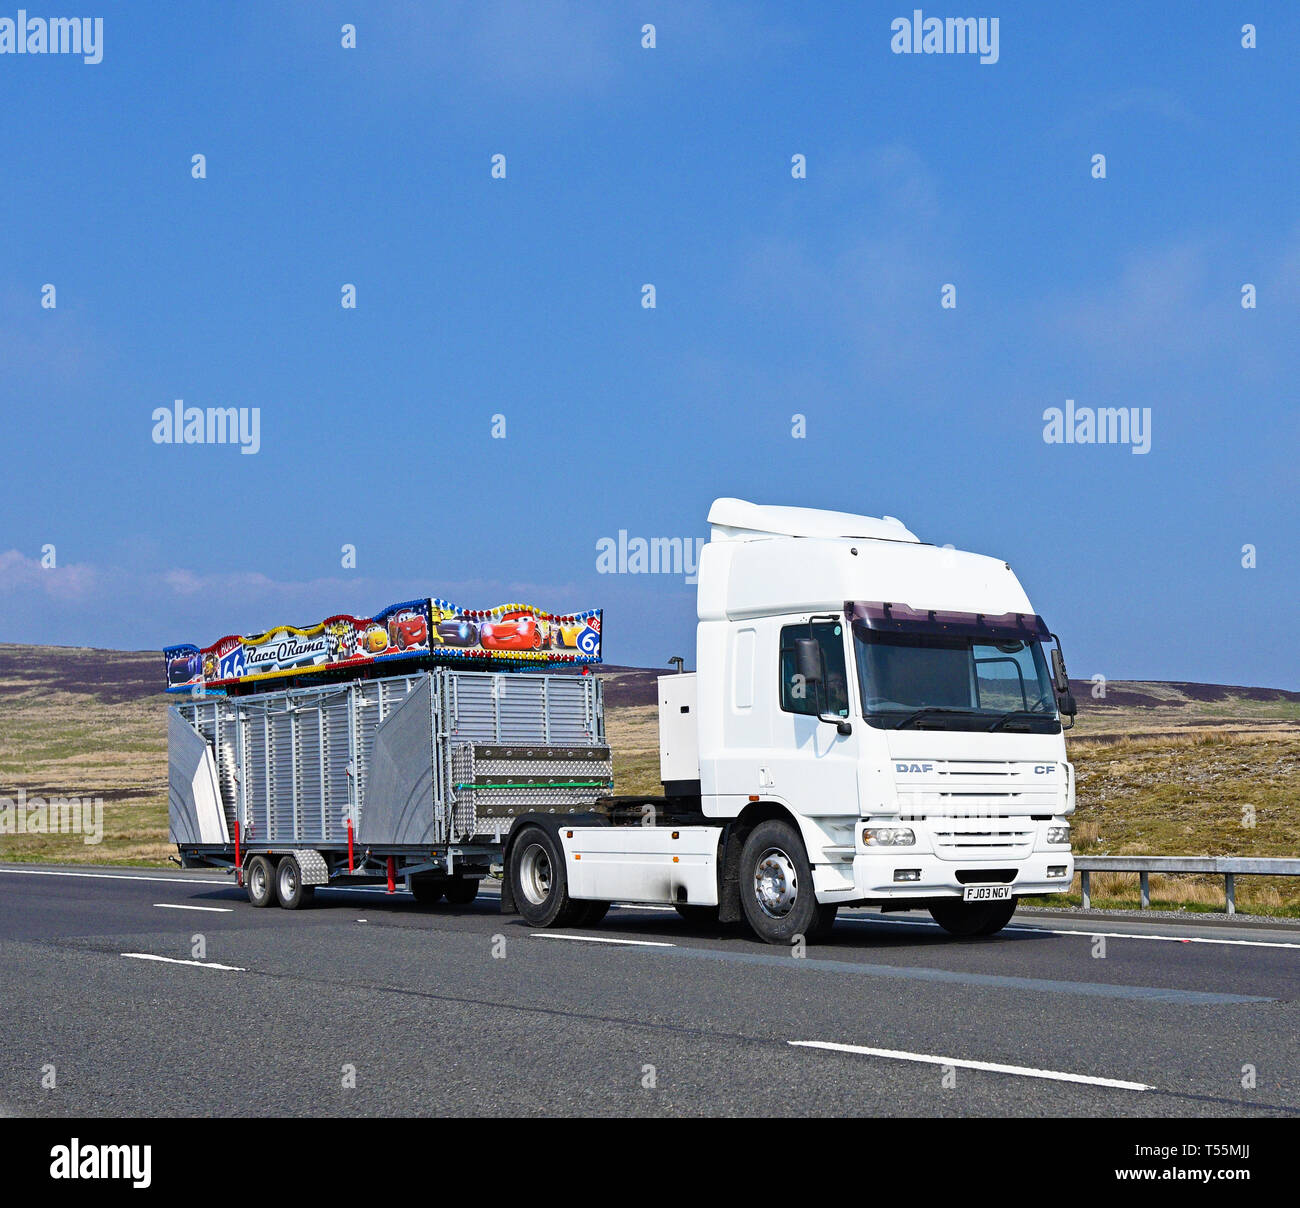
(776, 885)
(289, 888)
(538, 879)
(461, 891)
(969, 919)
(259, 880)
(427, 891)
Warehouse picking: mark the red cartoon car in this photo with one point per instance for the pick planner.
(407, 629)
(512, 631)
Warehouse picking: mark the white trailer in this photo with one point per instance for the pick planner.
(872, 721)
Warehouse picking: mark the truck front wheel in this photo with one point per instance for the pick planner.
(776, 886)
(539, 882)
(969, 919)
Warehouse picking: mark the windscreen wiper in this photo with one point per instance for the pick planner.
(928, 711)
(1019, 715)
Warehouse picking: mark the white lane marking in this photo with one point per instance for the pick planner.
(171, 960)
(643, 906)
(992, 1067)
(112, 876)
(597, 939)
(1117, 935)
(178, 906)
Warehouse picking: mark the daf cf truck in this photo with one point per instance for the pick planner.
(872, 721)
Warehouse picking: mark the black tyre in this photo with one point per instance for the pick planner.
(538, 880)
(776, 885)
(589, 913)
(428, 891)
(967, 919)
(461, 891)
(259, 881)
(823, 922)
(291, 893)
(697, 916)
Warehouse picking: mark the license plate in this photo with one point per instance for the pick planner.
(986, 893)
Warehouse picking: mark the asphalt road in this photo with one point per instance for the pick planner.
(441, 1010)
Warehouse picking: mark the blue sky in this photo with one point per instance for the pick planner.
(775, 296)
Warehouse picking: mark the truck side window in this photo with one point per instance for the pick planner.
(833, 696)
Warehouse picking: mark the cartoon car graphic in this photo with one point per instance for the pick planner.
(407, 629)
(566, 633)
(512, 631)
(578, 635)
(183, 669)
(456, 631)
(374, 640)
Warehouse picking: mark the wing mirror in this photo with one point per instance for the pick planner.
(808, 660)
(810, 666)
(1065, 703)
(1059, 674)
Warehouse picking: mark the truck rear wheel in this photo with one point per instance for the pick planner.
(259, 880)
(697, 916)
(968, 919)
(538, 880)
(461, 891)
(289, 889)
(776, 886)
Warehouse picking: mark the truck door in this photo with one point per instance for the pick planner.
(814, 767)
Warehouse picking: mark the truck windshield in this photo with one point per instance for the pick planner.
(924, 681)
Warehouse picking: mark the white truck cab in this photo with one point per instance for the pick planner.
(872, 720)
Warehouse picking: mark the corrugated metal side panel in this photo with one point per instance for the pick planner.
(256, 809)
(310, 797)
(283, 758)
(280, 779)
(560, 710)
(338, 754)
(573, 710)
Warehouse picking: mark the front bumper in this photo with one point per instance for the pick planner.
(871, 875)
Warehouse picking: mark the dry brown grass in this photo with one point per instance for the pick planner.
(1167, 779)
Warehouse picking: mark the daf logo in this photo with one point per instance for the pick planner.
(912, 768)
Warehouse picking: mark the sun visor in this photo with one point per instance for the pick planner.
(899, 618)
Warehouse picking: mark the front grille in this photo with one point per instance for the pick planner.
(981, 838)
(985, 876)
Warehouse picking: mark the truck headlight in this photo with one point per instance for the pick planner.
(888, 836)
(1058, 834)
